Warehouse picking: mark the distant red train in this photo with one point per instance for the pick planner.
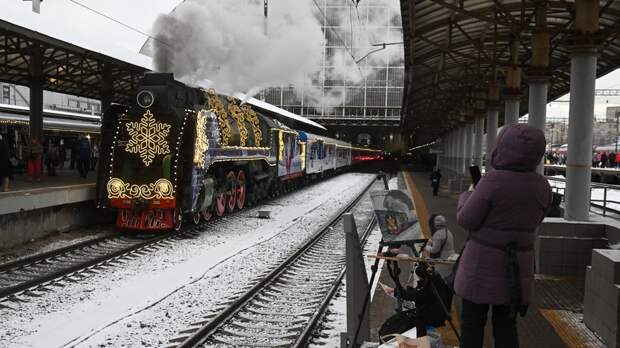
(180, 151)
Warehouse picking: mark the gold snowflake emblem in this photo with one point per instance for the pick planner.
(148, 138)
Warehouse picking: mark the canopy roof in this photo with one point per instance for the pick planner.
(455, 48)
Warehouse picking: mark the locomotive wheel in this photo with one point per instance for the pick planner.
(241, 189)
(196, 218)
(220, 203)
(177, 220)
(231, 194)
(207, 214)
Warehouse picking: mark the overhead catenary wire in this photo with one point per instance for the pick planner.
(344, 44)
(134, 29)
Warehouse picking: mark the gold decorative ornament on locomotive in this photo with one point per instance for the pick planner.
(235, 111)
(251, 117)
(160, 189)
(216, 104)
(201, 144)
(148, 138)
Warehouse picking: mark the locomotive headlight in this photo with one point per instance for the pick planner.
(145, 99)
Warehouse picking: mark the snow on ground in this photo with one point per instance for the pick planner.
(149, 299)
(597, 196)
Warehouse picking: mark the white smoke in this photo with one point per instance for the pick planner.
(228, 45)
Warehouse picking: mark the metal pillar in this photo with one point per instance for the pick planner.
(538, 74)
(36, 93)
(581, 114)
(512, 90)
(538, 109)
(511, 112)
(478, 131)
(357, 286)
(461, 151)
(469, 139)
(491, 135)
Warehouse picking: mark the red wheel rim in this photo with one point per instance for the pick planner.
(220, 204)
(196, 218)
(231, 194)
(240, 189)
(206, 214)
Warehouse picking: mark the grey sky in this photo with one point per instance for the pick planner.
(70, 22)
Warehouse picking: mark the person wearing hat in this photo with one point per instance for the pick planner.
(441, 246)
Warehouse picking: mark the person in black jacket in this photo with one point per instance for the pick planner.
(427, 294)
(435, 180)
(6, 168)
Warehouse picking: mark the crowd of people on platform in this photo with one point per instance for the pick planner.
(555, 158)
(49, 155)
(604, 159)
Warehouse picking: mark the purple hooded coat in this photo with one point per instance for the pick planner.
(508, 204)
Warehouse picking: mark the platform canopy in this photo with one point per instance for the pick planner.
(456, 49)
(65, 68)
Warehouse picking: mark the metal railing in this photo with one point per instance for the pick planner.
(601, 195)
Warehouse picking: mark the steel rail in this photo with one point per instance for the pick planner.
(202, 334)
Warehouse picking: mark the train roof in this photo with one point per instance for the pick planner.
(53, 123)
(272, 108)
(25, 110)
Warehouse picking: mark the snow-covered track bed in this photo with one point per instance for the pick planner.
(284, 306)
(29, 276)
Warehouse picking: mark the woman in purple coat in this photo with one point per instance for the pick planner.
(502, 213)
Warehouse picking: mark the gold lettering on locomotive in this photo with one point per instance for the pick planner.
(235, 111)
(216, 104)
(148, 138)
(160, 189)
(250, 115)
(202, 142)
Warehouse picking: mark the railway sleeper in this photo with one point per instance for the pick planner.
(270, 319)
(251, 343)
(280, 305)
(251, 326)
(269, 334)
(283, 298)
(273, 313)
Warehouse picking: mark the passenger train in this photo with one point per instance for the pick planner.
(181, 151)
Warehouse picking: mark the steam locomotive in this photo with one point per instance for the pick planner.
(182, 151)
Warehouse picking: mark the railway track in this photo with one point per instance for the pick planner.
(31, 276)
(283, 308)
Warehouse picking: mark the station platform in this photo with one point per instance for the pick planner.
(35, 209)
(554, 319)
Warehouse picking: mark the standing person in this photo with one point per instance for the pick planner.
(34, 161)
(83, 156)
(597, 159)
(62, 155)
(612, 160)
(604, 159)
(502, 213)
(435, 180)
(6, 168)
(51, 161)
(95, 156)
(441, 246)
(74, 150)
